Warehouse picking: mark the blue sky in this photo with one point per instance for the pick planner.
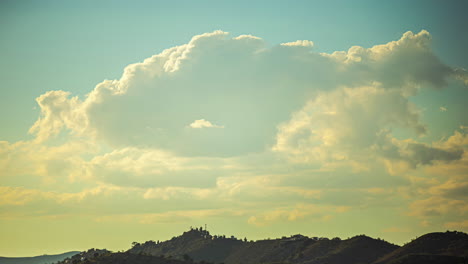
(260, 135)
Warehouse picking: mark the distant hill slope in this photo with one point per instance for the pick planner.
(45, 259)
(451, 244)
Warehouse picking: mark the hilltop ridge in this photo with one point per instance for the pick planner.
(199, 246)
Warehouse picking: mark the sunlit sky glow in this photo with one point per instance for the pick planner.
(130, 121)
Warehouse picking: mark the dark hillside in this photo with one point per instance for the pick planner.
(196, 243)
(300, 249)
(447, 244)
(429, 259)
(197, 246)
(126, 258)
(359, 249)
(268, 251)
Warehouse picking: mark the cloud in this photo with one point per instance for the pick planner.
(316, 108)
(202, 123)
(241, 83)
(151, 168)
(419, 153)
(462, 75)
(18, 196)
(34, 163)
(462, 225)
(438, 192)
(247, 37)
(58, 111)
(299, 43)
(437, 206)
(299, 212)
(186, 216)
(20, 202)
(167, 193)
(355, 124)
(306, 134)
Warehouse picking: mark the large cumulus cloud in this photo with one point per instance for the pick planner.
(244, 85)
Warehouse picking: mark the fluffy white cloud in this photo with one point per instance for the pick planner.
(238, 82)
(58, 111)
(299, 43)
(201, 123)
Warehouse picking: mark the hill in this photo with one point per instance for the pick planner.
(199, 246)
(359, 249)
(197, 243)
(44, 259)
(431, 247)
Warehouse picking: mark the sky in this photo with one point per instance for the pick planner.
(132, 121)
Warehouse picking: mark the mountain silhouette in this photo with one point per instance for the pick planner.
(199, 246)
